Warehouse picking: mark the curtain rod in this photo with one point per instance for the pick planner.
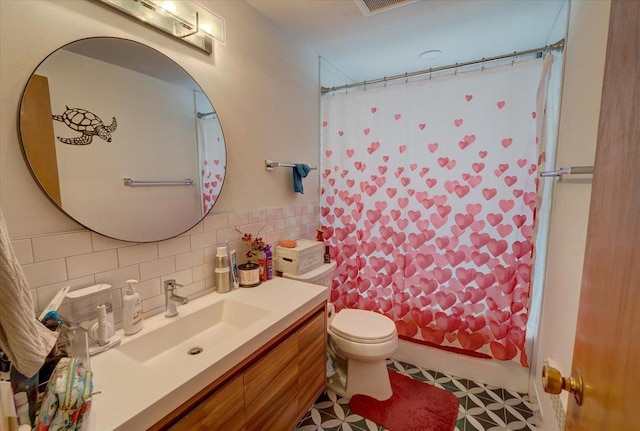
(558, 46)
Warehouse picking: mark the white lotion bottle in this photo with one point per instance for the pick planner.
(132, 310)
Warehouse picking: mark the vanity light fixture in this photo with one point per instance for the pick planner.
(186, 20)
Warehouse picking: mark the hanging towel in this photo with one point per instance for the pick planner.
(300, 171)
(25, 340)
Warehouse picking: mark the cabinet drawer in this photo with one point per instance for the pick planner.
(277, 404)
(311, 374)
(223, 410)
(263, 373)
(313, 330)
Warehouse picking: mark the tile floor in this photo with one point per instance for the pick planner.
(482, 407)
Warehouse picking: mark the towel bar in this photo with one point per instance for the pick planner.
(132, 183)
(568, 171)
(270, 164)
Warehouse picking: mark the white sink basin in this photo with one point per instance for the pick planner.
(205, 328)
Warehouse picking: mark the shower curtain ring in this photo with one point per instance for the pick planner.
(456, 71)
(406, 78)
(513, 59)
(430, 72)
(483, 64)
(385, 81)
(365, 86)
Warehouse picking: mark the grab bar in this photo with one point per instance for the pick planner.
(132, 183)
(568, 171)
(270, 164)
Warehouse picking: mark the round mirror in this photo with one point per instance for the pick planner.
(122, 139)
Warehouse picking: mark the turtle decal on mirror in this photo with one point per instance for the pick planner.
(87, 123)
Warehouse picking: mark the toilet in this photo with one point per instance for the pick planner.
(361, 341)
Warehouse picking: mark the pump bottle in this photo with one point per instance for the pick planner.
(132, 310)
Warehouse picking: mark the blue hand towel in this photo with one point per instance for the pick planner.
(300, 171)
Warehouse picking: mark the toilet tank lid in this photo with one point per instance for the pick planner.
(363, 324)
(321, 271)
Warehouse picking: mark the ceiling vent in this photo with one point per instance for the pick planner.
(372, 7)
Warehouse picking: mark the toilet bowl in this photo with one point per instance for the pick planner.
(366, 339)
(362, 340)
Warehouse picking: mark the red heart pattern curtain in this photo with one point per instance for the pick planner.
(211, 152)
(428, 202)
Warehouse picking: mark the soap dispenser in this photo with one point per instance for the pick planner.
(132, 310)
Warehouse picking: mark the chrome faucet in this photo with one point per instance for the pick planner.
(171, 299)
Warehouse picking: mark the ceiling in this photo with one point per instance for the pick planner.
(389, 42)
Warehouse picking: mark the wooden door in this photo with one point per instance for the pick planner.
(607, 346)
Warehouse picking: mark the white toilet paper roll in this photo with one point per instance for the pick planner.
(331, 311)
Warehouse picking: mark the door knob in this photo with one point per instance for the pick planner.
(554, 383)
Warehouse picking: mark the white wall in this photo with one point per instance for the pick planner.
(264, 88)
(155, 139)
(583, 75)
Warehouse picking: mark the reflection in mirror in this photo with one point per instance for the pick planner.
(99, 110)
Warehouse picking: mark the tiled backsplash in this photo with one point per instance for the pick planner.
(83, 258)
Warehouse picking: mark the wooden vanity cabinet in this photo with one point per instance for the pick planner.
(271, 390)
(221, 411)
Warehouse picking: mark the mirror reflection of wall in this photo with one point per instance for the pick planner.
(155, 137)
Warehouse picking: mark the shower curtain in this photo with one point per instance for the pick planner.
(428, 203)
(211, 155)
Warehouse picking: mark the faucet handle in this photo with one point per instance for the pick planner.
(170, 285)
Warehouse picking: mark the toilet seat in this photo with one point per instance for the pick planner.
(363, 326)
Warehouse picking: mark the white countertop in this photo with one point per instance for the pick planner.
(136, 395)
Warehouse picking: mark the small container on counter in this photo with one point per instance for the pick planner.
(262, 261)
(132, 310)
(222, 271)
(269, 264)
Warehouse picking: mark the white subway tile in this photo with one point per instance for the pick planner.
(257, 216)
(275, 237)
(117, 317)
(137, 253)
(230, 234)
(92, 263)
(310, 218)
(209, 254)
(202, 272)
(237, 218)
(280, 224)
(275, 213)
(210, 283)
(267, 227)
(63, 245)
(290, 211)
(192, 289)
(116, 297)
(101, 243)
(234, 245)
(179, 244)
(294, 221)
(216, 221)
(152, 305)
(44, 273)
(293, 232)
(190, 259)
(23, 250)
(118, 277)
(149, 288)
(156, 268)
(205, 239)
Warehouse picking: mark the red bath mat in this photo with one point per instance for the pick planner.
(413, 406)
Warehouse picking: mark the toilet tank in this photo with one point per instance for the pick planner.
(322, 275)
